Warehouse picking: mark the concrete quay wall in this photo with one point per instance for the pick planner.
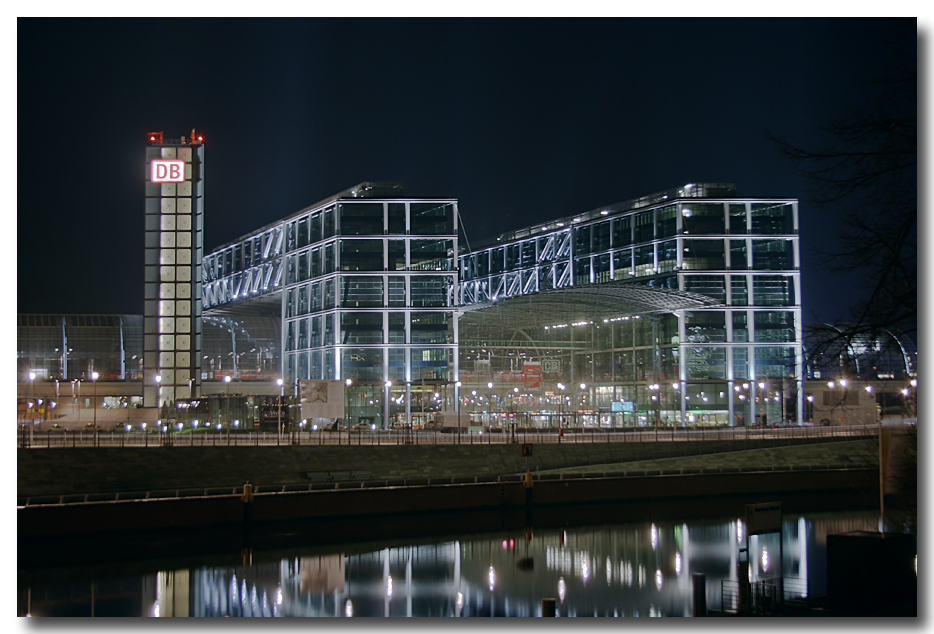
(65, 471)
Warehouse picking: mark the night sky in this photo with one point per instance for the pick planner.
(522, 120)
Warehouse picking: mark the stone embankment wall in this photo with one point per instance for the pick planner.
(66, 471)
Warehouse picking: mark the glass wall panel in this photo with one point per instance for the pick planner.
(703, 218)
(741, 364)
(396, 255)
(772, 255)
(328, 329)
(429, 291)
(361, 328)
(362, 364)
(303, 300)
(431, 218)
(361, 255)
(644, 227)
(601, 268)
(582, 240)
(645, 260)
(775, 325)
(528, 253)
(707, 362)
(434, 255)
(711, 285)
(359, 218)
(622, 264)
(667, 222)
(397, 218)
(328, 254)
(329, 294)
(773, 290)
(582, 271)
(497, 257)
(738, 218)
(622, 231)
(775, 362)
(358, 291)
(328, 222)
(314, 227)
(600, 239)
(302, 334)
(707, 326)
(667, 256)
(739, 290)
(430, 364)
(738, 261)
(397, 365)
(740, 326)
(396, 291)
(432, 328)
(316, 297)
(396, 328)
(316, 332)
(703, 255)
(302, 233)
(512, 257)
(772, 218)
(330, 371)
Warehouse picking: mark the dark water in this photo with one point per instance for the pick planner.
(642, 568)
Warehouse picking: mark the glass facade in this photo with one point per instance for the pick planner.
(370, 286)
(687, 367)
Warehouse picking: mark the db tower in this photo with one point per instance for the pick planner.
(173, 252)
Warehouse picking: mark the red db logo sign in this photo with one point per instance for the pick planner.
(167, 171)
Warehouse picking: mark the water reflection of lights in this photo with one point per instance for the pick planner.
(278, 596)
(389, 586)
(654, 536)
(155, 609)
(658, 580)
(460, 600)
(628, 573)
(609, 571)
(585, 567)
(765, 559)
(562, 589)
(677, 563)
(641, 575)
(492, 578)
(739, 531)
(348, 608)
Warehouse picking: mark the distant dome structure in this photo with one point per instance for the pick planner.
(840, 349)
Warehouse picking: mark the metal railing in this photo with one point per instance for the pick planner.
(223, 438)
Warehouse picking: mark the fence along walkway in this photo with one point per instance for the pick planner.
(222, 438)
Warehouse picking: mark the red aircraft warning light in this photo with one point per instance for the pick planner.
(155, 138)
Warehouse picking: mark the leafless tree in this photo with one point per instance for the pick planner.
(869, 167)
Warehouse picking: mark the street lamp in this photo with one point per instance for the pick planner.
(227, 406)
(279, 413)
(489, 386)
(32, 376)
(583, 387)
(457, 401)
(94, 377)
(347, 384)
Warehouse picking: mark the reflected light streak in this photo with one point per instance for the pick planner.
(562, 589)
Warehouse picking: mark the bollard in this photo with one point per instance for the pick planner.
(699, 579)
(549, 607)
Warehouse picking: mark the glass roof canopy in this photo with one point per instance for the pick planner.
(574, 305)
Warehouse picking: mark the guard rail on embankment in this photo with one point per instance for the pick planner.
(96, 470)
(194, 509)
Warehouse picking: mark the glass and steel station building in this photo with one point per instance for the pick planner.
(681, 308)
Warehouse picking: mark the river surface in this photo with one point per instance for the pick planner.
(638, 569)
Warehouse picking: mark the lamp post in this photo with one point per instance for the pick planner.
(227, 406)
(515, 392)
(561, 387)
(457, 401)
(32, 377)
(387, 386)
(489, 386)
(94, 377)
(583, 387)
(347, 384)
(279, 412)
